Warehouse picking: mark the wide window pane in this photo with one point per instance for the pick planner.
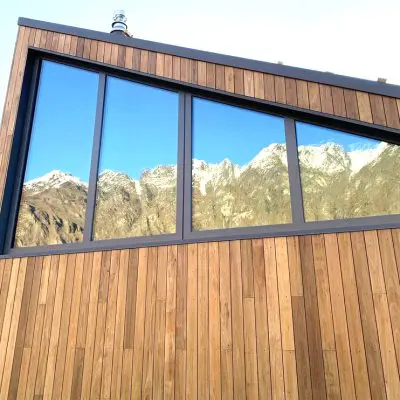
(136, 186)
(347, 176)
(240, 172)
(54, 194)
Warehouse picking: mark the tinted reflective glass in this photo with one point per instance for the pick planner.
(345, 175)
(136, 187)
(54, 194)
(240, 174)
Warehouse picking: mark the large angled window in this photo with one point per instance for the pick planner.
(239, 168)
(347, 176)
(54, 194)
(136, 185)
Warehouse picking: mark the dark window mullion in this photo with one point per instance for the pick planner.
(94, 166)
(296, 194)
(187, 216)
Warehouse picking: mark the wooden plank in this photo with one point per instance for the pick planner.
(364, 107)
(331, 375)
(138, 344)
(261, 317)
(80, 46)
(108, 349)
(226, 321)
(44, 282)
(301, 344)
(326, 99)
(192, 327)
(342, 345)
(26, 355)
(280, 91)
(202, 73)
(93, 50)
(77, 379)
(129, 58)
(91, 328)
(203, 322)
(285, 306)
(239, 80)
(167, 66)
(220, 77)
(291, 91)
(215, 321)
(291, 385)
(302, 94)
(247, 268)
(176, 68)
(84, 302)
(86, 48)
(353, 318)
(396, 242)
(4, 291)
(392, 284)
(117, 363)
(323, 293)
(339, 106)
(193, 72)
(258, 85)
(126, 378)
(312, 318)
(148, 345)
(20, 265)
(169, 369)
(152, 62)
(248, 83)
(104, 276)
(391, 112)
(229, 80)
(378, 112)
(296, 280)
(210, 68)
(371, 341)
(351, 104)
(385, 333)
(121, 56)
(239, 383)
(159, 64)
(73, 327)
(107, 53)
(274, 323)
(374, 262)
(47, 324)
(136, 60)
(131, 292)
(114, 54)
(269, 87)
(64, 327)
(250, 348)
(314, 96)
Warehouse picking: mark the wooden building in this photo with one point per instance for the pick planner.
(182, 224)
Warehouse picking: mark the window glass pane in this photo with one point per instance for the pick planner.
(54, 194)
(345, 175)
(240, 174)
(136, 187)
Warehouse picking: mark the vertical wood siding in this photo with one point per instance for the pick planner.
(311, 317)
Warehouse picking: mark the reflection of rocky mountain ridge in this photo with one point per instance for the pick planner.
(337, 184)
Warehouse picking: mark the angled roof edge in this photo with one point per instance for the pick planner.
(233, 61)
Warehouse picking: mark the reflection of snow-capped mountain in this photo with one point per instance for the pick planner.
(53, 179)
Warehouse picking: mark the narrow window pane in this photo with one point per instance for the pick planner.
(240, 173)
(347, 176)
(136, 186)
(54, 194)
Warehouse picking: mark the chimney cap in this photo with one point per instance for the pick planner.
(119, 22)
(382, 80)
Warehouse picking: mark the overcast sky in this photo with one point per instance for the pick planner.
(349, 37)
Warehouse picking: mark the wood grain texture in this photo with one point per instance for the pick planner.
(297, 317)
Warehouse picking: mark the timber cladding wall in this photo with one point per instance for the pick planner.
(310, 317)
(306, 317)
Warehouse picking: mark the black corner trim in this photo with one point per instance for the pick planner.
(237, 62)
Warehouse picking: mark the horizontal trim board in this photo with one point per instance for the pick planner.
(238, 62)
(218, 235)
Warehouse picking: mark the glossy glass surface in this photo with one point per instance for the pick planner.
(54, 194)
(136, 187)
(345, 175)
(239, 168)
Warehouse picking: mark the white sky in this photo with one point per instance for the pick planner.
(350, 37)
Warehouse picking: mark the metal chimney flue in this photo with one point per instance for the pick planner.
(119, 25)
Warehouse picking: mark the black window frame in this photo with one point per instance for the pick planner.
(184, 232)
